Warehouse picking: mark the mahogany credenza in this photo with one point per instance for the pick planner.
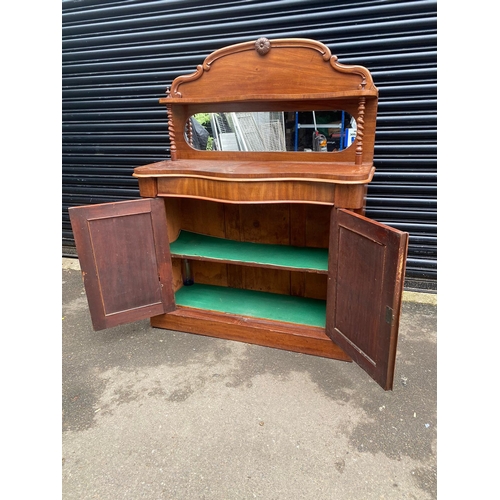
(261, 244)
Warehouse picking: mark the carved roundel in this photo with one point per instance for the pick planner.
(262, 46)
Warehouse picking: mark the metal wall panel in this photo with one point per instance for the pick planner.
(119, 56)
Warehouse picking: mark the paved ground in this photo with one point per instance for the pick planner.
(155, 414)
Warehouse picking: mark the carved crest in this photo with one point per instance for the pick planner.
(262, 46)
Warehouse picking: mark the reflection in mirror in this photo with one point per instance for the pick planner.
(325, 131)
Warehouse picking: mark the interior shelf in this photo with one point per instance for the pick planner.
(198, 246)
(255, 304)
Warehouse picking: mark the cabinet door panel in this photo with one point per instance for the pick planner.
(366, 276)
(125, 260)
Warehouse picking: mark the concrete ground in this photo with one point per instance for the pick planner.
(156, 414)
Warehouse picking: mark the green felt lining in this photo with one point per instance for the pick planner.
(252, 303)
(200, 246)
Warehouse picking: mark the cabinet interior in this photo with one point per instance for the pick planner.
(260, 260)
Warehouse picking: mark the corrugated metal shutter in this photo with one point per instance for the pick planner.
(119, 56)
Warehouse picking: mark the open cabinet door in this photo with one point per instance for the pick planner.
(365, 285)
(125, 260)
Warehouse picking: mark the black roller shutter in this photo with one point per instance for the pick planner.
(119, 56)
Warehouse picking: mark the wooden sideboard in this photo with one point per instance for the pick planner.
(259, 244)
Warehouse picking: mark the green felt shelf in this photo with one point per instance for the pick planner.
(198, 246)
(255, 304)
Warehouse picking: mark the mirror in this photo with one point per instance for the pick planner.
(321, 131)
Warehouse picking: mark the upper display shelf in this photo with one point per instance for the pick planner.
(295, 77)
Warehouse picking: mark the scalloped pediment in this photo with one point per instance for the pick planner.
(272, 69)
